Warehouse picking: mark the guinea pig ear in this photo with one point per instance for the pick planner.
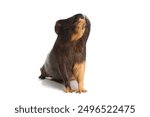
(57, 27)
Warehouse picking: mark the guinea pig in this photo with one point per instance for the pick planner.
(66, 61)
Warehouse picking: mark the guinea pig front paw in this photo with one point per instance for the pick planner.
(81, 91)
(68, 90)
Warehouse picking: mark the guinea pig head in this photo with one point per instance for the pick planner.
(72, 28)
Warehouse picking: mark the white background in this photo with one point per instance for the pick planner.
(118, 55)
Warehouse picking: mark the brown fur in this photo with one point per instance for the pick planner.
(66, 61)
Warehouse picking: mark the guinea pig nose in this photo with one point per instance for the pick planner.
(79, 16)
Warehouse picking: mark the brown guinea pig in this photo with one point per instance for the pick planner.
(66, 61)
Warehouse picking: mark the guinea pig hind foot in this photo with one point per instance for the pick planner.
(42, 77)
